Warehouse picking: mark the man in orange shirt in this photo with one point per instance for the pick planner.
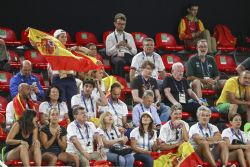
(191, 29)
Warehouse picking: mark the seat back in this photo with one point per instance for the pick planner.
(104, 36)
(37, 60)
(164, 39)
(225, 63)
(5, 81)
(7, 34)
(14, 59)
(24, 37)
(3, 104)
(138, 38)
(169, 60)
(83, 38)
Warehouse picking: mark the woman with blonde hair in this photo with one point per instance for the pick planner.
(53, 140)
(113, 136)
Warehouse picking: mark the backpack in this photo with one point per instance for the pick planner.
(224, 36)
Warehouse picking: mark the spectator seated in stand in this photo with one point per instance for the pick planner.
(4, 65)
(25, 76)
(245, 65)
(191, 29)
(53, 140)
(235, 97)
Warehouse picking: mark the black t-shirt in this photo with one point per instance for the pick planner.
(246, 63)
(141, 84)
(54, 148)
(183, 86)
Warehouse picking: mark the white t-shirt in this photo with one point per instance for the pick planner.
(78, 100)
(44, 107)
(143, 142)
(196, 129)
(154, 58)
(83, 134)
(109, 135)
(169, 135)
(228, 133)
(120, 110)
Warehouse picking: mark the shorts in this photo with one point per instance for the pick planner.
(214, 151)
(224, 108)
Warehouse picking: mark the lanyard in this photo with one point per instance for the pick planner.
(50, 106)
(111, 103)
(201, 129)
(142, 108)
(117, 38)
(177, 130)
(144, 144)
(144, 57)
(241, 98)
(86, 126)
(177, 86)
(203, 71)
(109, 136)
(146, 83)
(239, 137)
(92, 105)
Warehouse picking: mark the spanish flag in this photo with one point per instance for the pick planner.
(184, 157)
(58, 56)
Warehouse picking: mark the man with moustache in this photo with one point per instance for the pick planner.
(202, 70)
(235, 96)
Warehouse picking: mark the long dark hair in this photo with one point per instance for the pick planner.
(150, 128)
(47, 98)
(26, 121)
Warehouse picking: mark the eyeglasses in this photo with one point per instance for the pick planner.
(88, 144)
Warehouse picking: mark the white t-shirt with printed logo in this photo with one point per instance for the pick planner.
(228, 133)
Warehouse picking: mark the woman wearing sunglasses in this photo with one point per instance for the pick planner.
(112, 135)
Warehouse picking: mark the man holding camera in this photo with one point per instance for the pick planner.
(120, 45)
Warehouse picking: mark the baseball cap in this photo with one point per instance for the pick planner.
(147, 113)
(58, 32)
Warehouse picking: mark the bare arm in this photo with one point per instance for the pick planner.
(193, 95)
(157, 95)
(169, 146)
(102, 101)
(240, 68)
(169, 95)
(44, 140)
(135, 96)
(234, 100)
(132, 74)
(13, 132)
(62, 142)
(184, 133)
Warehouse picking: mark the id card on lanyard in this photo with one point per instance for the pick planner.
(182, 95)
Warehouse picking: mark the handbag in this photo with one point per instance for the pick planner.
(120, 149)
(237, 142)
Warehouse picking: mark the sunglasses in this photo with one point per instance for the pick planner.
(112, 136)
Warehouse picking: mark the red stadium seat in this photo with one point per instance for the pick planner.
(32, 163)
(215, 115)
(3, 105)
(208, 92)
(24, 38)
(69, 42)
(167, 42)
(2, 133)
(83, 38)
(5, 81)
(37, 60)
(9, 36)
(123, 81)
(129, 115)
(138, 164)
(169, 60)
(104, 36)
(226, 48)
(14, 59)
(138, 38)
(185, 115)
(225, 63)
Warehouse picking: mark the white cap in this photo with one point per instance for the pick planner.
(148, 113)
(58, 32)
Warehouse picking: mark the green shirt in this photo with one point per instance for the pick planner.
(198, 69)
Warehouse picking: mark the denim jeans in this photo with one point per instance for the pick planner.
(123, 161)
(164, 112)
(145, 158)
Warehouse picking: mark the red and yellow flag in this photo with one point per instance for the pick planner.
(185, 157)
(58, 56)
